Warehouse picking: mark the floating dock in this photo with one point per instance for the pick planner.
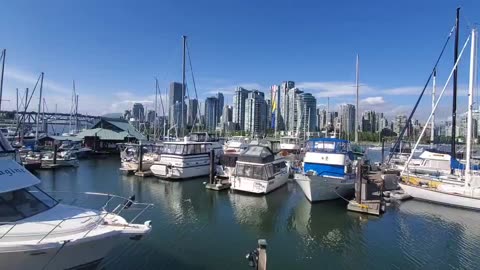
(368, 192)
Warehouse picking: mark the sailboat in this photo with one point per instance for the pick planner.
(454, 194)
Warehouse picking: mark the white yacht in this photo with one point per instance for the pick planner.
(186, 159)
(258, 171)
(64, 159)
(328, 170)
(236, 144)
(130, 160)
(39, 232)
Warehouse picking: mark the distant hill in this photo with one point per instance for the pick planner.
(113, 115)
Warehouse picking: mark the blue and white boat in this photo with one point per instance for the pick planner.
(328, 170)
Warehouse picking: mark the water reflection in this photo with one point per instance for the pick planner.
(260, 213)
(442, 230)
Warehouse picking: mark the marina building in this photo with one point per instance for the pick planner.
(107, 133)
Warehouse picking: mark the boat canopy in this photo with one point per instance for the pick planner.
(14, 177)
(257, 154)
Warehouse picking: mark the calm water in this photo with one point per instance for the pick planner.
(198, 229)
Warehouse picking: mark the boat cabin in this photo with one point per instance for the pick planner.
(328, 157)
(258, 162)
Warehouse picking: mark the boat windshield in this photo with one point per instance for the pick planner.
(184, 149)
(261, 172)
(289, 140)
(328, 146)
(23, 203)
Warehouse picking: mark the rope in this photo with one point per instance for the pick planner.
(397, 143)
(194, 87)
(55, 255)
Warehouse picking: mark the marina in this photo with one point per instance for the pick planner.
(317, 173)
(300, 235)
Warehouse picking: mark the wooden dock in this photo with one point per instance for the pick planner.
(368, 192)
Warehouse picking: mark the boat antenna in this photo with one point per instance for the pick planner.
(399, 139)
(357, 111)
(455, 78)
(4, 54)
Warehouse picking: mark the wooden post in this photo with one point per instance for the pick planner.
(212, 166)
(262, 254)
(140, 157)
(383, 150)
(358, 183)
(55, 148)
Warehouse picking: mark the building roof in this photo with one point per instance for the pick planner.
(122, 126)
(105, 134)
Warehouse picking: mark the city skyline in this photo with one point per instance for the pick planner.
(393, 62)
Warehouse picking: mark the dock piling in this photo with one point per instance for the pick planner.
(55, 149)
(212, 166)
(140, 157)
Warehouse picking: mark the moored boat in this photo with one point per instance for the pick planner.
(328, 170)
(258, 171)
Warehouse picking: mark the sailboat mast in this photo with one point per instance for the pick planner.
(471, 85)
(183, 85)
(432, 126)
(76, 113)
(39, 108)
(4, 54)
(357, 111)
(454, 105)
(155, 117)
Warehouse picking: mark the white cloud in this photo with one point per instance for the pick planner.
(372, 101)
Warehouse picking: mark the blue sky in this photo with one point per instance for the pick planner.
(114, 49)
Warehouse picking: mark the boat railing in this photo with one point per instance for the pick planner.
(127, 204)
(112, 203)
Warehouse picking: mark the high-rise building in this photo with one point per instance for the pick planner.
(306, 113)
(268, 112)
(220, 104)
(239, 98)
(192, 112)
(293, 99)
(151, 116)
(138, 112)
(347, 120)
(369, 121)
(211, 106)
(322, 120)
(175, 96)
(283, 121)
(400, 123)
(227, 115)
(255, 113)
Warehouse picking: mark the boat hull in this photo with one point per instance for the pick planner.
(72, 255)
(439, 197)
(61, 162)
(177, 173)
(133, 166)
(324, 188)
(258, 186)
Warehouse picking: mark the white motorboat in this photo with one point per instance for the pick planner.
(186, 159)
(290, 149)
(236, 144)
(64, 159)
(328, 170)
(468, 194)
(39, 232)
(258, 171)
(130, 157)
